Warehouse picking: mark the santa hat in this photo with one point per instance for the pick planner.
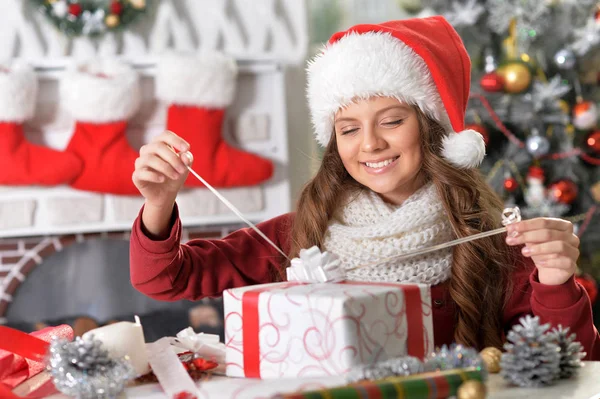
(419, 61)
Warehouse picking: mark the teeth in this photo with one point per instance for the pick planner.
(381, 164)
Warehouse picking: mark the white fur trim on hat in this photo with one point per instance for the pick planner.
(465, 149)
(202, 80)
(100, 91)
(359, 66)
(18, 92)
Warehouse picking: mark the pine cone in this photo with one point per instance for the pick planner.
(532, 359)
(571, 351)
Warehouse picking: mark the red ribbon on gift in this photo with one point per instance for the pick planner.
(251, 323)
(22, 356)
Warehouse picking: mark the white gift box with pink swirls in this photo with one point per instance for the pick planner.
(308, 330)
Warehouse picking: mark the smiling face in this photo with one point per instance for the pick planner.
(379, 143)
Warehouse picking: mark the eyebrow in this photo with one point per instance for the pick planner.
(348, 119)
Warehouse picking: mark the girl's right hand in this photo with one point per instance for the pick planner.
(159, 171)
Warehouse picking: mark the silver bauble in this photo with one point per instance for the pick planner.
(537, 145)
(565, 59)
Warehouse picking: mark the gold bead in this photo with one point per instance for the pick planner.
(517, 77)
(491, 358)
(138, 3)
(596, 191)
(111, 20)
(471, 389)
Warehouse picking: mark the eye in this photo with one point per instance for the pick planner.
(349, 131)
(394, 123)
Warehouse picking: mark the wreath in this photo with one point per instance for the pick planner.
(91, 17)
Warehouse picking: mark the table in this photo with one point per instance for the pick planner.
(585, 386)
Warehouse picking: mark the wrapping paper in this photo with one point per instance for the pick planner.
(436, 385)
(309, 330)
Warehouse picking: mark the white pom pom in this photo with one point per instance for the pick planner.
(465, 149)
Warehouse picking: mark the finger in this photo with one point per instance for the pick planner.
(161, 166)
(148, 175)
(187, 158)
(173, 140)
(540, 223)
(536, 236)
(552, 247)
(169, 156)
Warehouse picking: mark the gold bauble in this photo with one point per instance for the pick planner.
(564, 106)
(111, 20)
(596, 191)
(471, 389)
(138, 3)
(517, 77)
(491, 358)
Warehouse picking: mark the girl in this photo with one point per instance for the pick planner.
(387, 102)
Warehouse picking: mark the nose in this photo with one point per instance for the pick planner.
(371, 140)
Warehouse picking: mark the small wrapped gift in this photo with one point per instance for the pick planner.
(297, 329)
(15, 369)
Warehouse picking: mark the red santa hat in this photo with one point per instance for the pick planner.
(420, 61)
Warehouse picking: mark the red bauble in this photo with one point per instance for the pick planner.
(592, 142)
(75, 9)
(536, 172)
(589, 285)
(564, 191)
(492, 82)
(116, 7)
(510, 184)
(480, 129)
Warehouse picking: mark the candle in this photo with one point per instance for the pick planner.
(124, 339)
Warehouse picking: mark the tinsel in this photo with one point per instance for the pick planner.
(545, 94)
(571, 351)
(464, 13)
(531, 359)
(532, 17)
(400, 366)
(453, 357)
(586, 37)
(83, 369)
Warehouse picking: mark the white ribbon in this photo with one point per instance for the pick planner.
(315, 266)
(203, 345)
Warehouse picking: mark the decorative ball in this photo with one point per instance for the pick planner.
(111, 20)
(592, 142)
(492, 82)
(585, 115)
(480, 129)
(565, 59)
(116, 7)
(75, 9)
(589, 284)
(537, 145)
(491, 358)
(517, 77)
(138, 4)
(564, 191)
(510, 184)
(471, 389)
(411, 6)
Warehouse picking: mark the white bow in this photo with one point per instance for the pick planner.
(204, 345)
(93, 22)
(316, 267)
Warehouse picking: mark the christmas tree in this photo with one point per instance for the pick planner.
(536, 68)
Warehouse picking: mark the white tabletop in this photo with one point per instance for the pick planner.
(585, 386)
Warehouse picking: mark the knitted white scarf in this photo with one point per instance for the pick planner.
(368, 230)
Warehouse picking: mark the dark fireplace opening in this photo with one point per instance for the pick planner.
(87, 285)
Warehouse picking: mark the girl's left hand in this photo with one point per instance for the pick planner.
(551, 245)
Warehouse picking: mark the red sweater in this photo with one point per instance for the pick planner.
(167, 270)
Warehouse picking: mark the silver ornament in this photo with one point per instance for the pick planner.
(537, 145)
(84, 369)
(565, 59)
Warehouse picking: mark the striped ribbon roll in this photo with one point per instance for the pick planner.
(435, 385)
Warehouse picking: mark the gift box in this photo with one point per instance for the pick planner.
(303, 330)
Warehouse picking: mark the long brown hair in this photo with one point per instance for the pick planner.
(480, 269)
